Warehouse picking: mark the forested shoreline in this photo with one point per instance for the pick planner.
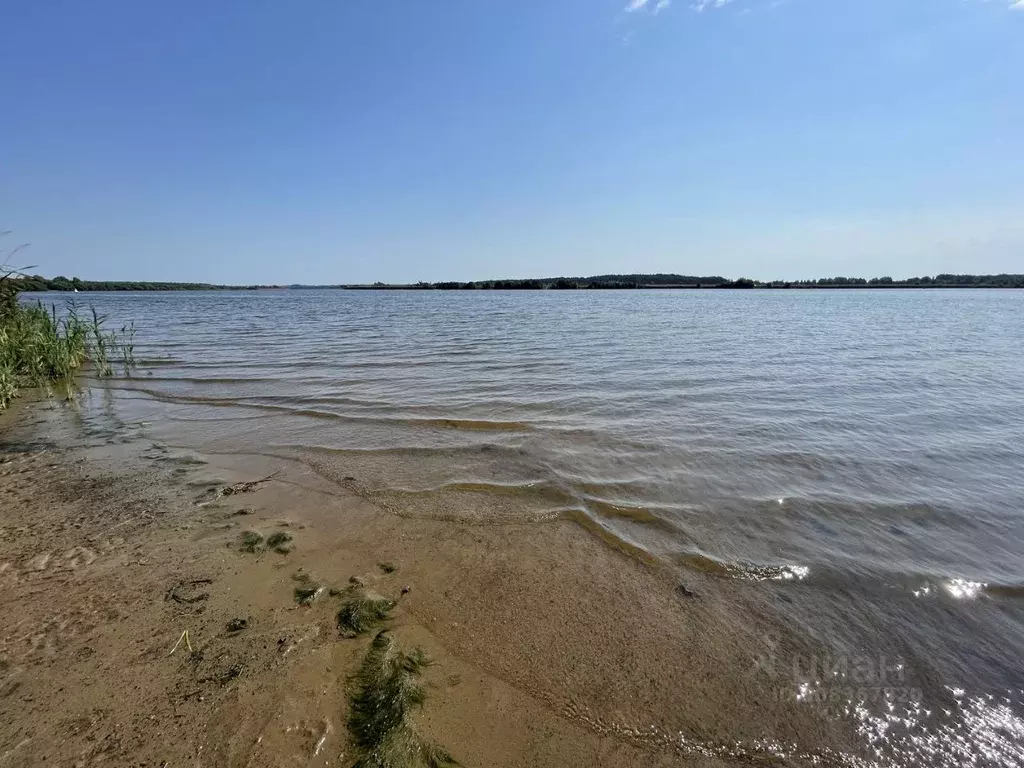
(36, 283)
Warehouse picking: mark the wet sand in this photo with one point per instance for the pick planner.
(550, 646)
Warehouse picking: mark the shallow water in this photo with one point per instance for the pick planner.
(861, 451)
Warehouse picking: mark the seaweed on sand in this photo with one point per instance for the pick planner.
(307, 590)
(280, 542)
(385, 690)
(362, 612)
(252, 541)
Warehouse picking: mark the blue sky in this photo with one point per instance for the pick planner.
(345, 140)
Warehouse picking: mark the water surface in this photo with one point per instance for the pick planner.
(863, 447)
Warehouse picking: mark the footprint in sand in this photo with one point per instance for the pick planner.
(57, 632)
(79, 556)
(71, 559)
(39, 562)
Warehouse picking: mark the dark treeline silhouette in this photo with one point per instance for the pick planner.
(600, 282)
(939, 281)
(716, 281)
(61, 283)
(564, 283)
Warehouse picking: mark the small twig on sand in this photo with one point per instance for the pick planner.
(184, 636)
(175, 592)
(245, 487)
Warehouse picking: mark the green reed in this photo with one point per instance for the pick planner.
(41, 348)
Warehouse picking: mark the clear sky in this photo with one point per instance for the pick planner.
(347, 140)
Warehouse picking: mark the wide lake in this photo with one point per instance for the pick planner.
(863, 449)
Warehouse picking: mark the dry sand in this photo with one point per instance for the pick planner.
(550, 647)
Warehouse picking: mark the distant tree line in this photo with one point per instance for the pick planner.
(944, 280)
(716, 281)
(598, 282)
(603, 282)
(61, 283)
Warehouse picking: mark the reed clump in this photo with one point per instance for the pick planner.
(384, 693)
(40, 347)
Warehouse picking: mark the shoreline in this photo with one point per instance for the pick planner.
(550, 647)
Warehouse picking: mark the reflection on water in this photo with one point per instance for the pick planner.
(973, 732)
(857, 453)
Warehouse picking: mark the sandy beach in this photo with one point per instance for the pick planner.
(550, 647)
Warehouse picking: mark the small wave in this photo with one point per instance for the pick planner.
(559, 498)
(965, 589)
(397, 450)
(241, 380)
(157, 362)
(1012, 591)
(539, 489)
(482, 425)
(610, 537)
(473, 424)
(742, 569)
(642, 515)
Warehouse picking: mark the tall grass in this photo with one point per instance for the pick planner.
(41, 348)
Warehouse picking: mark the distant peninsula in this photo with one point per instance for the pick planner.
(599, 282)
